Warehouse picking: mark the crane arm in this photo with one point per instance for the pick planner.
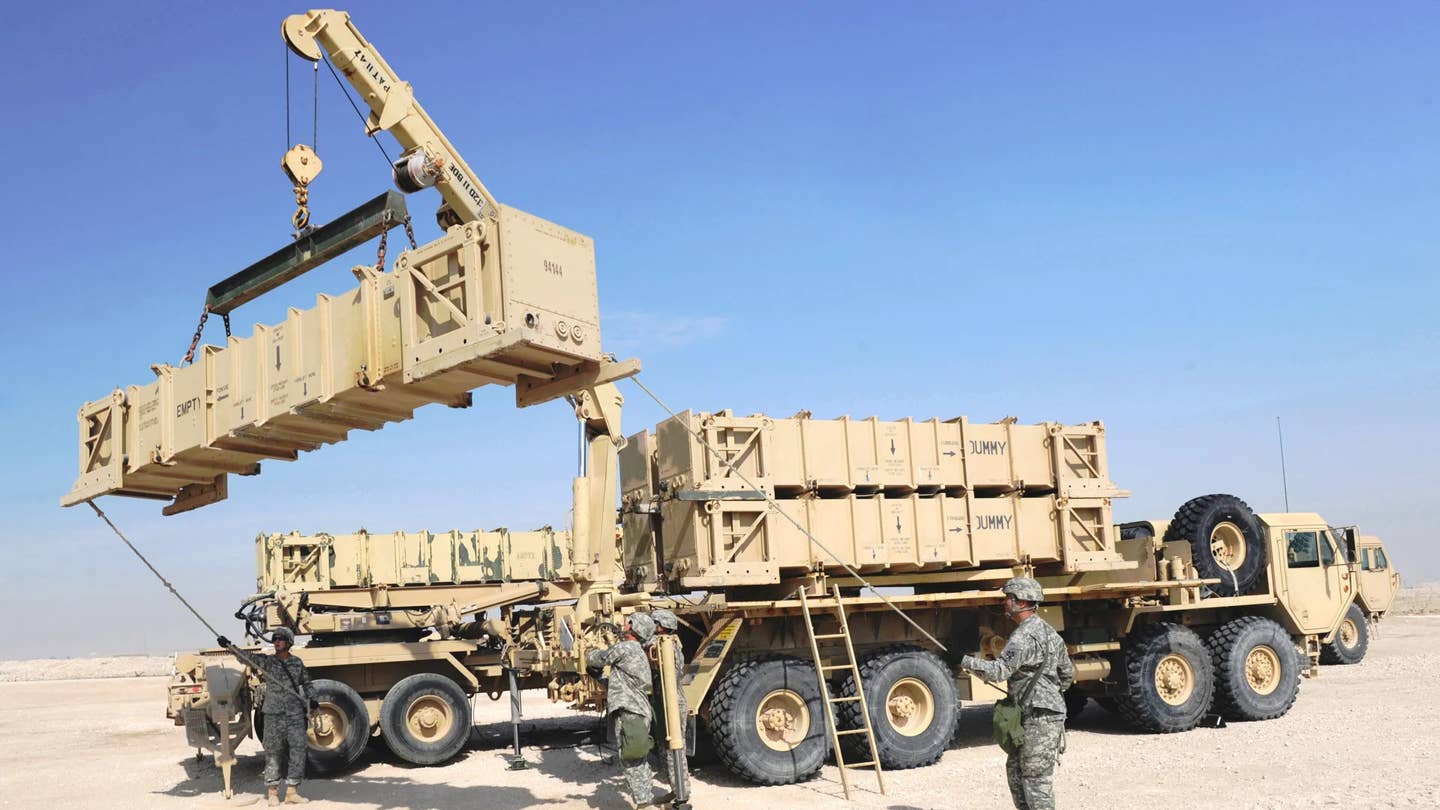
(429, 157)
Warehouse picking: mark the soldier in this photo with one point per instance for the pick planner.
(666, 624)
(627, 705)
(286, 716)
(1031, 769)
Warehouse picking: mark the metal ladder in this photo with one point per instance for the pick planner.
(821, 668)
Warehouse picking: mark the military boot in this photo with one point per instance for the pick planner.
(292, 795)
(272, 796)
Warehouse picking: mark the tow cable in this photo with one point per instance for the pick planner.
(234, 650)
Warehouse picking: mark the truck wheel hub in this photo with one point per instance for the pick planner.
(328, 728)
(1174, 679)
(1262, 670)
(782, 720)
(1227, 544)
(911, 706)
(428, 718)
(778, 720)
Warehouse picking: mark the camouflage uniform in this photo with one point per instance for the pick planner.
(286, 716)
(665, 620)
(628, 693)
(1031, 770)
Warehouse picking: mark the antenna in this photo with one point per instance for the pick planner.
(1284, 482)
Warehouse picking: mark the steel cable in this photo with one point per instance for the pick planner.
(232, 648)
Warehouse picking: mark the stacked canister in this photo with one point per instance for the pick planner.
(718, 499)
(322, 562)
(470, 309)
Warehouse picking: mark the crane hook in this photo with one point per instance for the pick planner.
(301, 165)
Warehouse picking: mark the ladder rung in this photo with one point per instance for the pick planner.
(851, 731)
(845, 699)
(837, 666)
(829, 635)
(871, 763)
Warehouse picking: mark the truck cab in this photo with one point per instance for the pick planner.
(1379, 581)
(1309, 582)
(1314, 576)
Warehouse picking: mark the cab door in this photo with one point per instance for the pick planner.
(1318, 583)
(1378, 580)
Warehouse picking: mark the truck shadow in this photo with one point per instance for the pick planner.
(395, 792)
(203, 780)
(543, 732)
(581, 755)
(1095, 719)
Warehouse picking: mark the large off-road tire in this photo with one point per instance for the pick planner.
(1257, 674)
(425, 719)
(1351, 640)
(1225, 541)
(344, 727)
(767, 721)
(913, 707)
(1168, 679)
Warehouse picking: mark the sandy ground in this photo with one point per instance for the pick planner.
(1359, 736)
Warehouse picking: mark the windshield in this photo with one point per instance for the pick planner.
(1344, 541)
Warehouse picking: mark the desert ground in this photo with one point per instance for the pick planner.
(1359, 736)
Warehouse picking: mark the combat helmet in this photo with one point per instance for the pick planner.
(665, 619)
(285, 633)
(642, 626)
(1024, 588)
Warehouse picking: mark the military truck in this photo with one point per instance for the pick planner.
(398, 654)
(1376, 585)
(1218, 609)
(781, 542)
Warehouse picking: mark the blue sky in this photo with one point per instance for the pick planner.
(1185, 222)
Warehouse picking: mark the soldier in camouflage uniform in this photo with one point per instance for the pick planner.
(1031, 769)
(666, 624)
(287, 718)
(627, 702)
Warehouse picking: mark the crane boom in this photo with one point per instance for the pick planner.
(503, 298)
(429, 157)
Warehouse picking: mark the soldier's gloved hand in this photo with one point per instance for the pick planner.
(222, 641)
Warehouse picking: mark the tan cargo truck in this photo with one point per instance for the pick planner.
(394, 640)
(1217, 610)
(769, 536)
